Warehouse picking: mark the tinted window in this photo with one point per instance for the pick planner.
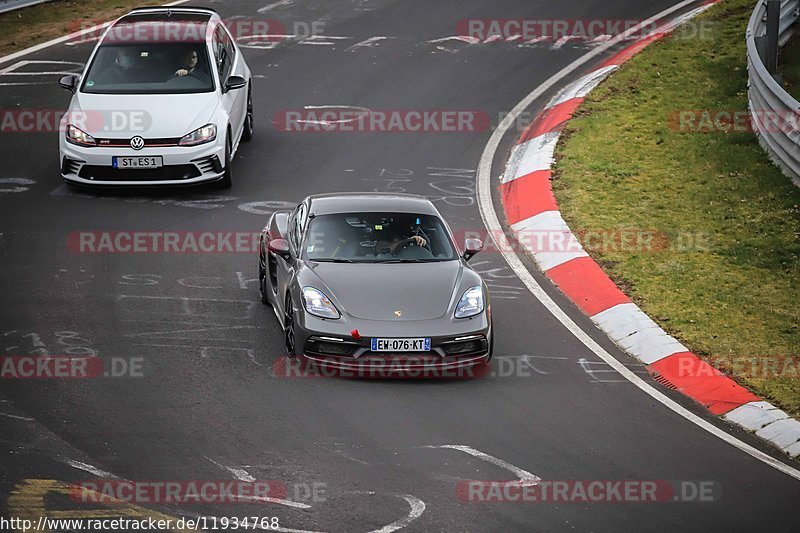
(378, 237)
(150, 68)
(224, 53)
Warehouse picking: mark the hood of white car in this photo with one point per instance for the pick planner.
(153, 116)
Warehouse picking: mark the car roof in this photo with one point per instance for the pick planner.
(161, 24)
(364, 202)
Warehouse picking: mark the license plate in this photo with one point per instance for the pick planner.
(401, 345)
(154, 161)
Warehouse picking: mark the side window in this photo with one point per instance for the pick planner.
(300, 224)
(230, 52)
(219, 53)
(224, 53)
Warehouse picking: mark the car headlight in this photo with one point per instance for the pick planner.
(206, 134)
(79, 137)
(471, 303)
(318, 304)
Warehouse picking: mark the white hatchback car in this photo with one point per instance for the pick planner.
(165, 99)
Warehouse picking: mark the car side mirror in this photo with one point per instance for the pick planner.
(69, 83)
(280, 247)
(472, 247)
(234, 82)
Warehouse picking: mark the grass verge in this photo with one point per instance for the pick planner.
(727, 283)
(37, 24)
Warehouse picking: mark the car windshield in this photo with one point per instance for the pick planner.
(149, 68)
(378, 238)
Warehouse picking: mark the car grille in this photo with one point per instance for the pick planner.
(172, 172)
(164, 141)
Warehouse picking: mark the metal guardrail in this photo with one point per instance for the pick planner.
(11, 5)
(775, 113)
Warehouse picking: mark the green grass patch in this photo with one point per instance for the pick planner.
(33, 25)
(727, 284)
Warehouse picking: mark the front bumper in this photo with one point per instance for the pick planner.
(455, 343)
(183, 165)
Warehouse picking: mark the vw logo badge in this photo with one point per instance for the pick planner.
(137, 143)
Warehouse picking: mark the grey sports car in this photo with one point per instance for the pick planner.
(363, 278)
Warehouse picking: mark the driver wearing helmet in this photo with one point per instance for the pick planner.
(400, 241)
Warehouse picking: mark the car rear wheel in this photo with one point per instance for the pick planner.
(227, 178)
(288, 329)
(249, 125)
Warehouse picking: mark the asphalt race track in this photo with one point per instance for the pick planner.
(206, 404)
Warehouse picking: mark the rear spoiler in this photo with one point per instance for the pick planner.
(176, 9)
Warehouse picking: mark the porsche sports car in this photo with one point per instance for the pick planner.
(357, 278)
(165, 99)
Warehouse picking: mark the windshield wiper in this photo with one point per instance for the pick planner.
(402, 261)
(333, 260)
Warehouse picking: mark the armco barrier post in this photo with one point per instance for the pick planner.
(773, 32)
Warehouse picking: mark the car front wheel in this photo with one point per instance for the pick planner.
(227, 178)
(249, 125)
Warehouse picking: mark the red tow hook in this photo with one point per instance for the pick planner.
(356, 335)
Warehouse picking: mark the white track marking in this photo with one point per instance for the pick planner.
(526, 479)
(16, 417)
(15, 185)
(238, 473)
(69, 37)
(82, 40)
(492, 222)
(369, 43)
(586, 365)
(322, 40)
(89, 468)
(270, 7)
(285, 503)
(417, 508)
(363, 111)
(12, 70)
(462, 38)
(243, 475)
